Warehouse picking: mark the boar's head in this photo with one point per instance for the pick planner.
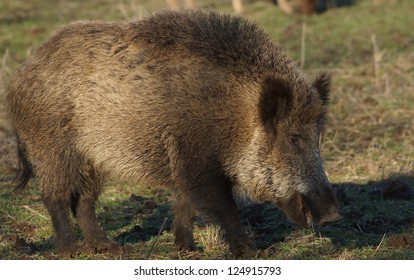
(282, 164)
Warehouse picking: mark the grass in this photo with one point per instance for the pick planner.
(368, 147)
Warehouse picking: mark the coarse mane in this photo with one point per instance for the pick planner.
(223, 39)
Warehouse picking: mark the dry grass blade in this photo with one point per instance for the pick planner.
(4, 58)
(303, 46)
(211, 238)
(379, 245)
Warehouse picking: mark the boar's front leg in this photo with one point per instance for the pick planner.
(94, 235)
(213, 199)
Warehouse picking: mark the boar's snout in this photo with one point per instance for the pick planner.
(323, 207)
(304, 210)
(329, 219)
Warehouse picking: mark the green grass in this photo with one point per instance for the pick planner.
(369, 139)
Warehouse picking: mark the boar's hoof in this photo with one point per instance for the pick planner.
(70, 249)
(184, 239)
(105, 246)
(244, 250)
(67, 242)
(186, 245)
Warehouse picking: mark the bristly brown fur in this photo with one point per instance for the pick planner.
(201, 103)
(227, 41)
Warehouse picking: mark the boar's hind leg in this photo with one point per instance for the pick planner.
(74, 186)
(183, 224)
(59, 211)
(56, 197)
(83, 208)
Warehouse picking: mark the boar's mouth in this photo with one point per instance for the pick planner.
(303, 212)
(306, 211)
(295, 207)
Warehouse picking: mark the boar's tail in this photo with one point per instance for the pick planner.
(25, 171)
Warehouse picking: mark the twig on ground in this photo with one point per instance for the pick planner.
(11, 217)
(35, 212)
(156, 238)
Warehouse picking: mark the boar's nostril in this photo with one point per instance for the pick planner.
(330, 219)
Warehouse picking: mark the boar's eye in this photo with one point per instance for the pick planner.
(296, 140)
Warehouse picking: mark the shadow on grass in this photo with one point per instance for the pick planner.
(371, 211)
(136, 219)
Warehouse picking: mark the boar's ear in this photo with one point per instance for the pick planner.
(322, 84)
(275, 102)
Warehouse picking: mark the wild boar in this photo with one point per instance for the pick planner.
(200, 103)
